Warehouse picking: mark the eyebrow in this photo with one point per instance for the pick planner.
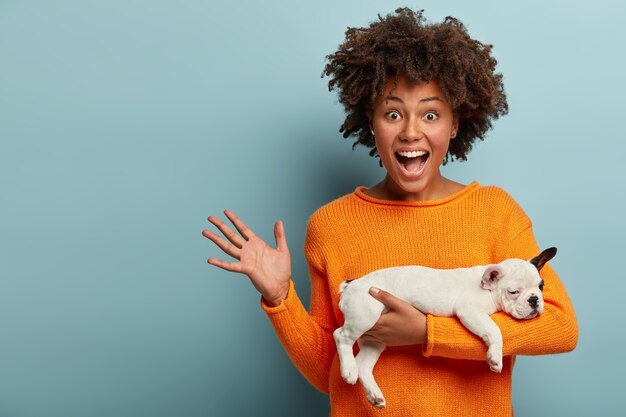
(424, 100)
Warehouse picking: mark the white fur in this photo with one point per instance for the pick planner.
(471, 294)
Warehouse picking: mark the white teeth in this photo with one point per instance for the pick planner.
(412, 154)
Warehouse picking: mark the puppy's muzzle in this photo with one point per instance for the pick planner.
(533, 301)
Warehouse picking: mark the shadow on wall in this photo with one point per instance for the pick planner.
(319, 168)
(327, 168)
(338, 170)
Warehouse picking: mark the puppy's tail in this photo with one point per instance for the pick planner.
(343, 285)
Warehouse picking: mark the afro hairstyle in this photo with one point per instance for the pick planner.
(404, 44)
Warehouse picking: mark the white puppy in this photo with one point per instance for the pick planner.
(471, 294)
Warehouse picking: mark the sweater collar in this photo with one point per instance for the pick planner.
(359, 192)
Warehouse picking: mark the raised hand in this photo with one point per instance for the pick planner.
(269, 269)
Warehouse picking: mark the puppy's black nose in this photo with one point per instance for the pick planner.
(532, 301)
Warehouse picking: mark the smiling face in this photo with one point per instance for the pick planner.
(413, 125)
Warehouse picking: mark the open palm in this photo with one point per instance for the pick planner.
(269, 269)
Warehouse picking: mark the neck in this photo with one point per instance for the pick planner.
(497, 302)
(439, 187)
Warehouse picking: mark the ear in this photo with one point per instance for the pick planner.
(491, 276)
(540, 260)
(455, 127)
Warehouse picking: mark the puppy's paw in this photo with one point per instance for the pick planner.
(350, 374)
(496, 367)
(377, 400)
(494, 359)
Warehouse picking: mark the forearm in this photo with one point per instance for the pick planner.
(310, 347)
(555, 331)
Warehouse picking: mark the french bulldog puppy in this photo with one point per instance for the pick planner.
(472, 294)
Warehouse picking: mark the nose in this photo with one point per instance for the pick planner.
(412, 129)
(532, 301)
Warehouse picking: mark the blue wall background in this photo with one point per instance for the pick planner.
(124, 124)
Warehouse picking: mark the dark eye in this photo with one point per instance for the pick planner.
(514, 292)
(541, 285)
(431, 116)
(393, 115)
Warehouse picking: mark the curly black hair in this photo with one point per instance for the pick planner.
(405, 44)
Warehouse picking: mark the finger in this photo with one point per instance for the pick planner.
(237, 240)
(229, 266)
(386, 298)
(368, 337)
(230, 249)
(281, 238)
(239, 224)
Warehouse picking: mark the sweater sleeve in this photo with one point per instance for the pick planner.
(307, 337)
(557, 325)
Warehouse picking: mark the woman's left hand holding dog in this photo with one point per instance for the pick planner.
(401, 325)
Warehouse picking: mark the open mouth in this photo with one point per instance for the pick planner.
(412, 162)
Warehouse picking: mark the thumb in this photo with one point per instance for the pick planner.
(386, 298)
(281, 239)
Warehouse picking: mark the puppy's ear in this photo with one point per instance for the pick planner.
(492, 275)
(540, 260)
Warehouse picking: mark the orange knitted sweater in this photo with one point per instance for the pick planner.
(448, 376)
